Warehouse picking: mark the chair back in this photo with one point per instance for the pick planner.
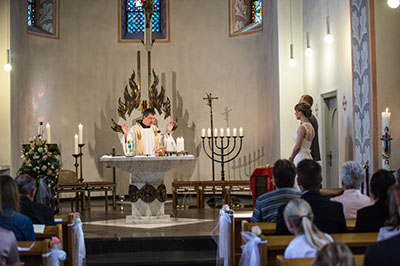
(67, 177)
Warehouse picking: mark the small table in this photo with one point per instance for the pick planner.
(147, 191)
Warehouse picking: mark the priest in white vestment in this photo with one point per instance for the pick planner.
(145, 136)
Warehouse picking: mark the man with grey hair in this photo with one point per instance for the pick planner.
(38, 213)
(352, 175)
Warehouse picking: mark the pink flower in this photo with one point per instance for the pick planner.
(49, 172)
(45, 157)
(32, 144)
(49, 153)
(30, 151)
(55, 240)
(44, 167)
(23, 159)
(40, 150)
(27, 162)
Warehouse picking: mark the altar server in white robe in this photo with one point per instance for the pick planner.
(146, 136)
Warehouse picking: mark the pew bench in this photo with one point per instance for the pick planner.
(281, 261)
(50, 231)
(34, 256)
(67, 235)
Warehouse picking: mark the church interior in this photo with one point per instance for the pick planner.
(73, 66)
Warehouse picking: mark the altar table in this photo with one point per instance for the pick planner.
(147, 191)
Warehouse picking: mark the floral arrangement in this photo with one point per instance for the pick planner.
(256, 230)
(55, 243)
(39, 162)
(159, 150)
(77, 215)
(225, 208)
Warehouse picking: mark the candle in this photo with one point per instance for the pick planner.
(386, 139)
(180, 144)
(234, 132)
(48, 134)
(228, 132)
(203, 132)
(169, 144)
(209, 132)
(80, 132)
(215, 132)
(76, 150)
(221, 132)
(241, 132)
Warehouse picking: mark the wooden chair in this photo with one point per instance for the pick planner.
(34, 256)
(185, 187)
(67, 235)
(281, 261)
(236, 186)
(95, 186)
(68, 183)
(212, 186)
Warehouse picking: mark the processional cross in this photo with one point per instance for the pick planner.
(209, 100)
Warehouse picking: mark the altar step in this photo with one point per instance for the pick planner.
(186, 250)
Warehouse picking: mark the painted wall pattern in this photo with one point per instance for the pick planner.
(361, 86)
(242, 14)
(46, 13)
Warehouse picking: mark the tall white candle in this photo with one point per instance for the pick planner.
(80, 132)
(221, 132)
(241, 132)
(234, 132)
(76, 149)
(215, 132)
(168, 145)
(203, 132)
(386, 128)
(180, 144)
(209, 132)
(48, 133)
(228, 132)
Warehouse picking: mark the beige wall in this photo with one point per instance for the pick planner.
(5, 154)
(84, 73)
(387, 21)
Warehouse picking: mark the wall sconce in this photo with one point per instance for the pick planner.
(309, 51)
(393, 3)
(8, 67)
(292, 62)
(328, 37)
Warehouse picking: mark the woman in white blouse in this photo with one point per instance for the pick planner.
(308, 239)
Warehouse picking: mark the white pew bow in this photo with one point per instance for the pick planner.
(250, 252)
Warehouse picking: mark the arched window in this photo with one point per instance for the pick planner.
(43, 18)
(245, 17)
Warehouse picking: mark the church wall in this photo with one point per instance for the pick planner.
(329, 69)
(387, 69)
(5, 154)
(82, 75)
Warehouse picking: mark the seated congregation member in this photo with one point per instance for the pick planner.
(371, 218)
(392, 224)
(284, 173)
(9, 254)
(328, 215)
(385, 252)
(38, 213)
(308, 239)
(334, 254)
(10, 219)
(352, 175)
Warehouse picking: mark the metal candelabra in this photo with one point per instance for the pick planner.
(76, 156)
(219, 157)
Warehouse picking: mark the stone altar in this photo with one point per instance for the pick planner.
(147, 191)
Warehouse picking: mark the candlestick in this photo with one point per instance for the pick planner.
(234, 132)
(81, 155)
(228, 132)
(221, 132)
(209, 132)
(76, 150)
(80, 132)
(48, 134)
(386, 140)
(241, 132)
(76, 156)
(203, 132)
(215, 132)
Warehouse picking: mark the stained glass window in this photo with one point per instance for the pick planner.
(31, 12)
(135, 17)
(256, 11)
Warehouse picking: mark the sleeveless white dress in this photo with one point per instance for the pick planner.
(305, 149)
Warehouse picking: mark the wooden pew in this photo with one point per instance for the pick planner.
(67, 235)
(34, 256)
(281, 261)
(235, 235)
(50, 231)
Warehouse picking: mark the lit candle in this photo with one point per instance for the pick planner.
(180, 144)
(48, 134)
(386, 144)
(234, 132)
(80, 132)
(241, 132)
(76, 150)
(221, 132)
(209, 132)
(203, 132)
(215, 132)
(228, 132)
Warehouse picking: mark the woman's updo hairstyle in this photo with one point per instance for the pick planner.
(303, 107)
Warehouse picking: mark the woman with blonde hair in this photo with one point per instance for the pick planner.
(334, 254)
(308, 238)
(304, 135)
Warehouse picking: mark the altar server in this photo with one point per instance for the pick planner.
(145, 136)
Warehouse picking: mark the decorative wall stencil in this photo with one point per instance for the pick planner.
(344, 103)
(361, 86)
(242, 14)
(46, 16)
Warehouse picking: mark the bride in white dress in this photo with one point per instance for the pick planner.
(304, 135)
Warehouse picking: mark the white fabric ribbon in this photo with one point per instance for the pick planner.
(223, 241)
(54, 256)
(79, 242)
(250, 252)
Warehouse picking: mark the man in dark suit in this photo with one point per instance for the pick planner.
(313, 120)
(38, 213)
(385, 252)
(328, 215)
